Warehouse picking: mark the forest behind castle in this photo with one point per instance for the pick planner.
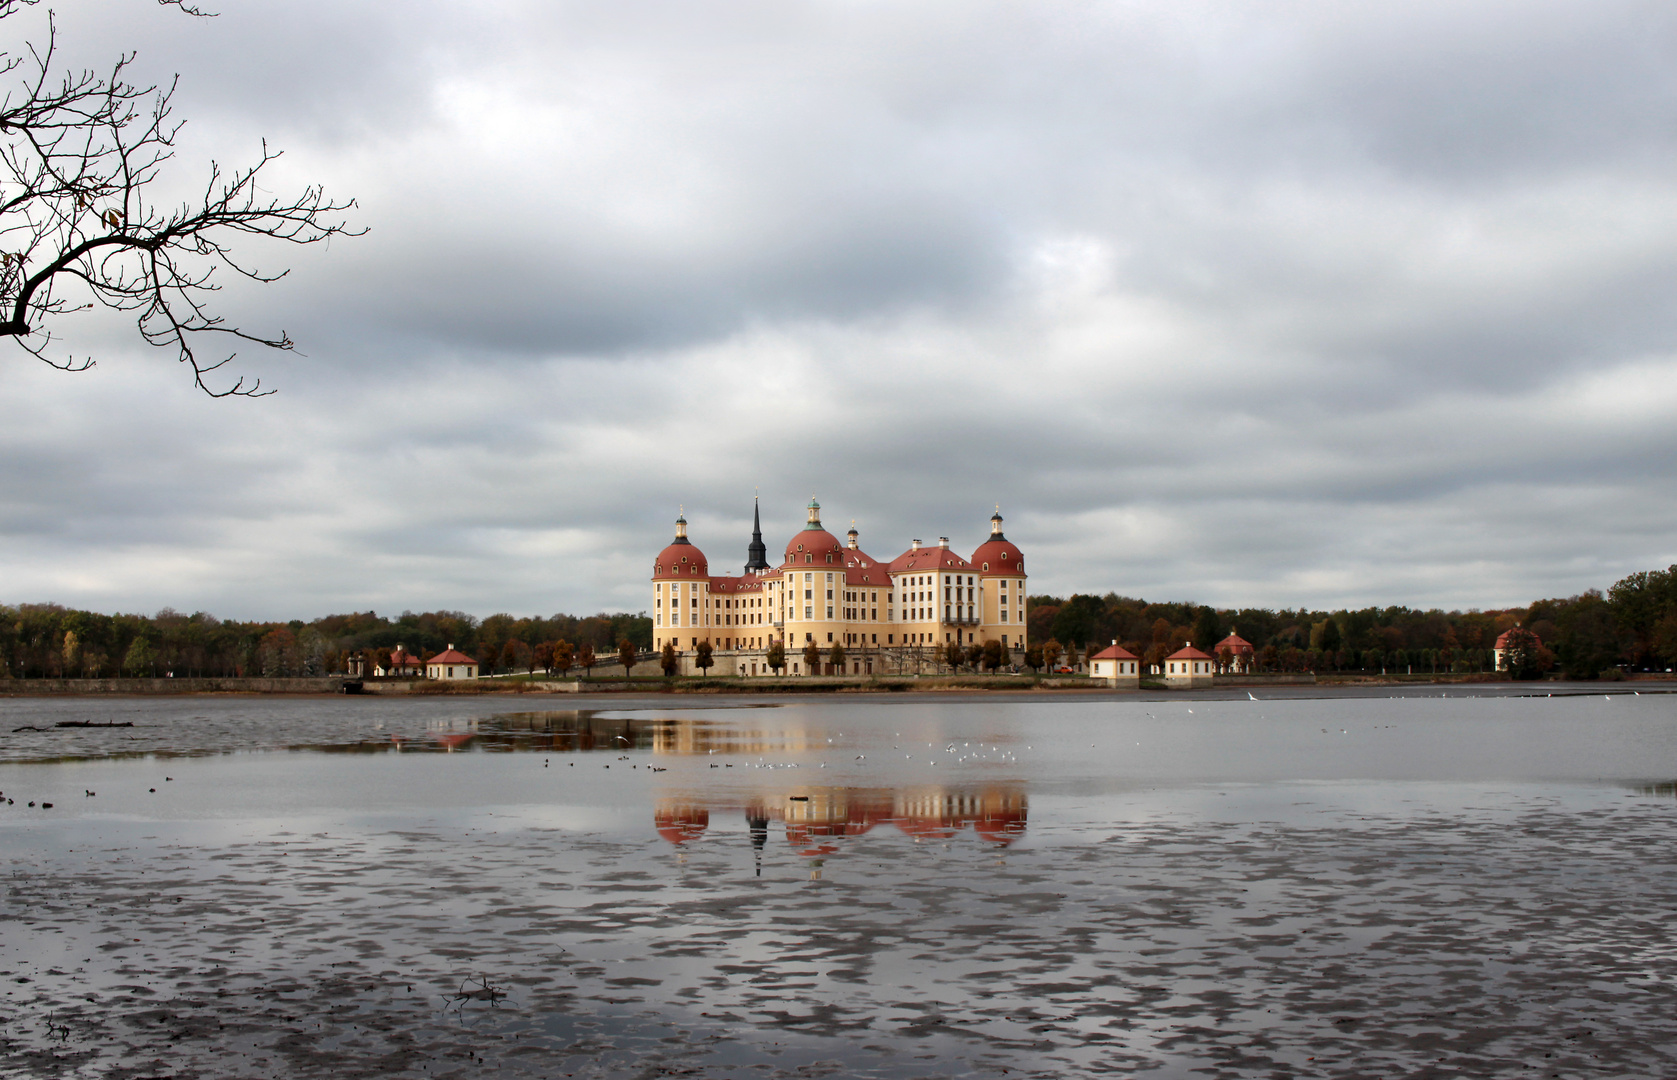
(1632, 626)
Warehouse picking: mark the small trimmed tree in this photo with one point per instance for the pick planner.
(836, 657)
(702, 658)
(812, 658)
(627, 654)
(975, 655)
(1033, 657)
(954, 656)
(668, 659)
(1051, 654)
(993, 655)
(776, 659)
(542, 655)
(564, 656)
(586, 659)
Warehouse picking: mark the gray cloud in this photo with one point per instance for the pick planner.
(1292, 305)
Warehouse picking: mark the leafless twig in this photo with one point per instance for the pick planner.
(78, 153)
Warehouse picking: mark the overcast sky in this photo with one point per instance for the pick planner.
(1275, 304)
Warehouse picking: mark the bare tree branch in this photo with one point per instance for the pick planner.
(78, 154)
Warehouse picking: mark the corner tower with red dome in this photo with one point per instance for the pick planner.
(891, 617)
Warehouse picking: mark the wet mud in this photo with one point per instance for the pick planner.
(719, 912)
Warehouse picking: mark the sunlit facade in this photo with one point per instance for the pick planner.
(893, 617)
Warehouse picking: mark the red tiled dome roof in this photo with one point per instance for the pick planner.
(681, 559)
(998, 557)
(817, 543)
(679, 824)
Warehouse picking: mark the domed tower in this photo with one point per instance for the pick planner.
(680, 583)
(1001, 567)
(815, 546)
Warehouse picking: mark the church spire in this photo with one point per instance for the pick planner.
(757, 555)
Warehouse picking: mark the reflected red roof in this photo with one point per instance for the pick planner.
(679, 824)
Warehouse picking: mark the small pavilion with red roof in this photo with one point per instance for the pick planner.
(1187, 668)
(449, 664)
(1240, 654)
(1120, 667)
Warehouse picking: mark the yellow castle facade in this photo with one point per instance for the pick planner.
(890, 617)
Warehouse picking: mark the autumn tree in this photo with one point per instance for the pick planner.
(702, 658)
(668, 659)
(85, 221)
(812, 658)
(627, 655)
(1522, 653)
(564, 656)
(542, 656)
(1051, 654)
(836, 657)
(1034, 658)
(954, 655)
(776, 658)
(585, 659)
(138, 660)
(994, 656)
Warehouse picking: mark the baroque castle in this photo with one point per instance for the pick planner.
(891, 617)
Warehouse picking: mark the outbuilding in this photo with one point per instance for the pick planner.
(1119, 667)
(1187, 668)
(451, 664)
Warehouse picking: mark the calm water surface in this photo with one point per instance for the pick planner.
(1357, 886)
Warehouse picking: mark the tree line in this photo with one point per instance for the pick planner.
(1632, 627)
(52, 641)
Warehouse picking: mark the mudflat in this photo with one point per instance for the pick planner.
(1461, 883)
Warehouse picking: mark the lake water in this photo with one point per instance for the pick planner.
(1475, 884)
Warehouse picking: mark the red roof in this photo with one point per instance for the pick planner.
(401, 658)
(1002, 557)
(862, 569)
(816, 543)
(748, 583)
(679, 824)
(452, 656)
(1234, 643)
(1502, 638)
(681, 559)
(1187, 652)
(1114, 652)
(924, 559)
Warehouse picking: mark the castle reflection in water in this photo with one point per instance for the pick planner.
(815, 818)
